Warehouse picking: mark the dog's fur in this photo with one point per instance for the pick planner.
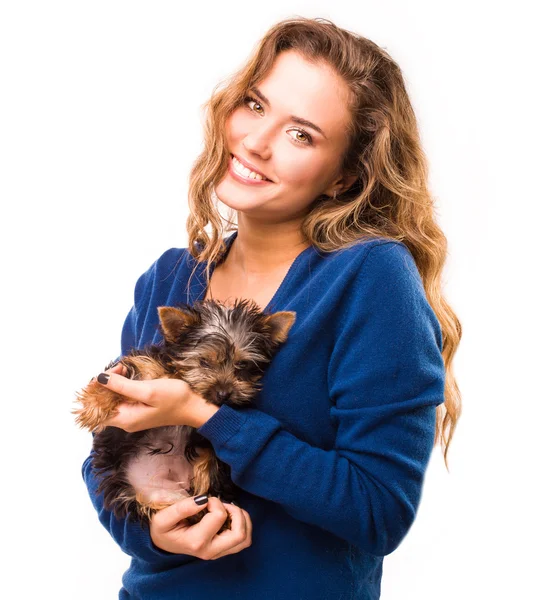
(221, 352)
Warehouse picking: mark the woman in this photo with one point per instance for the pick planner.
(314, 146)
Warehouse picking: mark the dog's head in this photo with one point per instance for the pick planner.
(222, 351)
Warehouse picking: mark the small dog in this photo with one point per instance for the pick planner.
(221, 352)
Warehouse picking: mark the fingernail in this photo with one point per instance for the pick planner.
(199, 500)
(103, 378)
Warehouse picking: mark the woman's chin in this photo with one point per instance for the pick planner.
(239, 199)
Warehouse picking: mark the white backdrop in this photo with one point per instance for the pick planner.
(99, 125)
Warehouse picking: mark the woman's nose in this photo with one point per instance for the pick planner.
(258, 142)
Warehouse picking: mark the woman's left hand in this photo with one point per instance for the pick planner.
(155, 403)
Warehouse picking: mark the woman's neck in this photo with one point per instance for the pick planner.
(263, 249)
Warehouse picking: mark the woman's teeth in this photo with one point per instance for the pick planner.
(246, 172)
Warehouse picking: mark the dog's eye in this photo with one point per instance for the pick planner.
(204, 363)
(241, 364)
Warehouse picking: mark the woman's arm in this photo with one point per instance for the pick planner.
(128, 534)
(386, 377)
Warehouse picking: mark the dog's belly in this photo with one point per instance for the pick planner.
(161, 478)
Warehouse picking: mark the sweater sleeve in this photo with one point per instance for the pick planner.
(129, 535)
(385, 377)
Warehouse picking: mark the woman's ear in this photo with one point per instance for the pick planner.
(340, 185)
(347, 182)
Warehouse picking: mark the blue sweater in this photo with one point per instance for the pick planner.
(332, 458)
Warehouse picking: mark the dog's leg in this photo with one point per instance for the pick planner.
(205, 475)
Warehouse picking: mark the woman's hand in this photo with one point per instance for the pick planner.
(154, 402)
(169, 533)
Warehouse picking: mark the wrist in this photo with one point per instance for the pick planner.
(201, 411)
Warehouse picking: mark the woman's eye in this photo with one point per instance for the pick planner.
(204, 363)
(249, 99)
(307, 141)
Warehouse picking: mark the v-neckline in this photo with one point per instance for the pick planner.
(283, 284)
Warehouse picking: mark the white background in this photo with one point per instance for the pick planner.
(99, 125)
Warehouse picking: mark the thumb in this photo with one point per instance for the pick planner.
(167, 518)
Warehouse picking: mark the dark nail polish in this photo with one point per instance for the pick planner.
(103, 378)
(199, 500)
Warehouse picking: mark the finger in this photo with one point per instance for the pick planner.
(231, 547)
(237, 537)
(249, 526)
(130, 416)
(206, 529)
(167, 518)
(118, 368)
(133, 389)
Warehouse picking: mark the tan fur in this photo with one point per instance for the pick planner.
(99, 403)
(202, 467)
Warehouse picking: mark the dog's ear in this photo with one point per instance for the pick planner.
(175, 321)
(280, 324)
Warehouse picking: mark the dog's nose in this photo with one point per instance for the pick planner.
(222, 396)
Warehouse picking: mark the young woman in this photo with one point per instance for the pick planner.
(314, 148)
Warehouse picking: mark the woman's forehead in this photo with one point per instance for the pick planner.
(311, 91)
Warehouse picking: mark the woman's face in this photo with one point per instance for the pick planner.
(301, 162)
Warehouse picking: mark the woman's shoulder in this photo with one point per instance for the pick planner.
(173, 257)
(161, 272)
(368, 244)
(375, 254)
(179, 259)
(373, 268)
(382, 278)
(391, 261)
(391, 254)
(169, 261)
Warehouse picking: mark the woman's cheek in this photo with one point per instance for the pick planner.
(299, 170)
(237, 127)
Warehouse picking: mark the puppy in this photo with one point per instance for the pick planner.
(221, 352)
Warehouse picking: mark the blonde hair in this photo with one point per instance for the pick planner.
(390, 197)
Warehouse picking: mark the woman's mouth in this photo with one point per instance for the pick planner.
(245, 175)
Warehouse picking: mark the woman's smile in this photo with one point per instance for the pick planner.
(243, 174)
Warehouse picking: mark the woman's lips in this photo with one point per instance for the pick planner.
(249, 166)
(242, 178)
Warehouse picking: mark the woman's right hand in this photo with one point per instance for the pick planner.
(170, 533)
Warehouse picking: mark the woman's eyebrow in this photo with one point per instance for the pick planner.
(298, 120)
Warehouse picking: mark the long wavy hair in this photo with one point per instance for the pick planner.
(390, 197)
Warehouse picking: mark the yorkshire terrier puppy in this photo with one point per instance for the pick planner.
(221, 352)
